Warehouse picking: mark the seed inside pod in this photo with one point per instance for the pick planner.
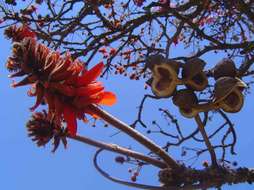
(194, 75)
(185, 99)
(233, 102)
(228, 94)
(164, 80)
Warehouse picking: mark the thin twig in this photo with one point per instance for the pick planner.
(136, 135)
(122, 182)
(207, 141)
(120, 150)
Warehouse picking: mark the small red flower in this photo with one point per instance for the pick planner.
(112, 51)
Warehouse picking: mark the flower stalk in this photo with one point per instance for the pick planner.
(136, 135)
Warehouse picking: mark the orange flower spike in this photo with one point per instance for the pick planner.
(70, 118)
(90, 75)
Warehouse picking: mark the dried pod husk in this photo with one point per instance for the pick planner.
(154, 60)
(164, 80)
(194, 75)
(228, 94)
(159, 59)
(233, 102)
(225, 68)
(174, 64)
(186, 99)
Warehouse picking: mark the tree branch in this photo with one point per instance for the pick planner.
(120, 150)
(136, 135)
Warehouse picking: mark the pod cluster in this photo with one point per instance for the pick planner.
(168, 74)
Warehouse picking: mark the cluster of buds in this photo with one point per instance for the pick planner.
(65, 85)
(227, 91)
(42, 130)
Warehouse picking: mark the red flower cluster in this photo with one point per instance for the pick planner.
(63, 84)
(41, 131)
(17, 34)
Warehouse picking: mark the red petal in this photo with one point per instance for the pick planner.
(108, 99)
(90, 89)
(27, 80)
(62, 88)
(58, 111)
(70, 118)
(26, 32)
(90, 75)
(81, 102)
(90, 112)
(49, 98)
(39, 96)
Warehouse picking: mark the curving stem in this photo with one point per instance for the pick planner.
(136, 135)
(207, 141)
(118, 149)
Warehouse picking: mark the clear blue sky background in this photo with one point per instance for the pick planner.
(24, 166)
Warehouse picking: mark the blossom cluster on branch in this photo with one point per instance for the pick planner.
(62, 83)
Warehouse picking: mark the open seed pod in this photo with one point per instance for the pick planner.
(164, 80)
(228, 94)
(159, 59)
(194, 75)
(174, 64)
(154, 60)
(225, 68)
(186, 99)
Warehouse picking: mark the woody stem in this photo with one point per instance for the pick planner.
(207, 141)
(136, 135)
(119, 149)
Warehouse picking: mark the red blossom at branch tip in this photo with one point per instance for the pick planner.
(17, 34)
(63, 84)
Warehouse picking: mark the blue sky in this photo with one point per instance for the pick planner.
(24, 166)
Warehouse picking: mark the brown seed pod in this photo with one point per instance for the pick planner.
(174, 64)
(186, 99)
(164, 80)
(194, 75)
(233, 102)
(228, 93)
(154, 60)
(159, 59)
(225, 68)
